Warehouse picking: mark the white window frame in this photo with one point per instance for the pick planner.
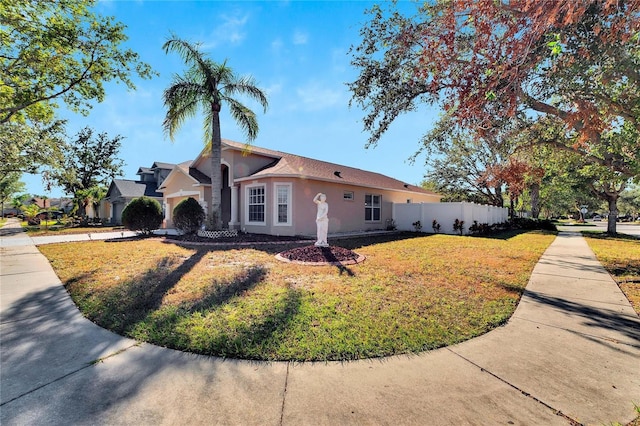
(247, 193)
(373, 207)
(276, 204)
(348, 196)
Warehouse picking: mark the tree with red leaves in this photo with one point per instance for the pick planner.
(484, 61)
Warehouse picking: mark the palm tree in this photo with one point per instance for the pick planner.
(208, 85)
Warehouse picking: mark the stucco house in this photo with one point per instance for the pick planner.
(271, 192)
(122, 191)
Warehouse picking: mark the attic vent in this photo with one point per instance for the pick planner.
(406, 186)
(337, 173)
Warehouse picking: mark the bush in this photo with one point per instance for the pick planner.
(142, 214)
(188, 216)
(533, 224)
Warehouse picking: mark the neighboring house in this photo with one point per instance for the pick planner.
(122, 191)
(271, 192)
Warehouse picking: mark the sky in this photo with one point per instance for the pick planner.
(297, 51)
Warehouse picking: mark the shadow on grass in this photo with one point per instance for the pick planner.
(224, 291)
(604, 236)
(129, 303)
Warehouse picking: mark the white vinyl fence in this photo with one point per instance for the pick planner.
(405, 215)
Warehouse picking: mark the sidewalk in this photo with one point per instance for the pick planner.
(570, 353)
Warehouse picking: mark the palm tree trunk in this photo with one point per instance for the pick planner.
(215, 215)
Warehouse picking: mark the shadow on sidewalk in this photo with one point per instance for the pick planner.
(593, 317)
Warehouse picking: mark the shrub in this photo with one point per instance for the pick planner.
(188, 216)
(458, 225)
(417, 225)
(532, 224)
(142, 214)
(436, 226)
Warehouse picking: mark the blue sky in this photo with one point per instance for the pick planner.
(298, 53)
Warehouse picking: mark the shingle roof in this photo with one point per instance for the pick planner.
(160, 165)
(199, 176)
(286, 164)
(144, 170)
(132, 188)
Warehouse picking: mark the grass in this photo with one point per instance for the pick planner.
(53, 229)
(620, 256)
(410, 295)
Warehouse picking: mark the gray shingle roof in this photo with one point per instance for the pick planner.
(134, 189)
(160, 165)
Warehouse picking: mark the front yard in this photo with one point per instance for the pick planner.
(620, 256)
(413, 294)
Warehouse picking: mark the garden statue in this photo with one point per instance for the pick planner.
(322, 221)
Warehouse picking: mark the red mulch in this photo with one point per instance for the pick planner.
(319, 254)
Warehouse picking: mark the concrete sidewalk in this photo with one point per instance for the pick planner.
(570, 354)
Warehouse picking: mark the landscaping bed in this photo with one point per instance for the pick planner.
(414, 292)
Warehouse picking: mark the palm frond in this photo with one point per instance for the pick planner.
(246, 86)
(245, 118)
(182, 100)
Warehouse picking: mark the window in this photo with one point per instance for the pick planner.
(282, 204)
(372, 207)
(347, 195)
(256, 204)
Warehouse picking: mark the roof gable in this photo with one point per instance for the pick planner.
(132, 189)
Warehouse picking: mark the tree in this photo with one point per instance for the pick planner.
(26, 148)
(18, 201)
(188, 216)
(461, 164)
(142, 214)
(10, 185)
(208, 85)
(484, 59)
(89, 161)
(31, 213)
(630, 200)
(59, 51)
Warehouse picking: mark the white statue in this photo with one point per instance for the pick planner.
(322, 221)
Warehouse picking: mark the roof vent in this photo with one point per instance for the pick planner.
(406, 186)
(337, 173)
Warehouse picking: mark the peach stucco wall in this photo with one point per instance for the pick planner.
(344, 215)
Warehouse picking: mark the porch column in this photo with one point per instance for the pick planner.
(234, 207)
(165, 207)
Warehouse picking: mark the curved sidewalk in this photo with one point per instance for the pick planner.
(570, 354)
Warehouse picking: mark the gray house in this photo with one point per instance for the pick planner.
(122, 191)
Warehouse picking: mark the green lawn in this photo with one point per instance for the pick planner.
(409, 295)
(620, 256)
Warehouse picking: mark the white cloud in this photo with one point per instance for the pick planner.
(316, 96)
(276, 45)
(300, 38)
(229, 30)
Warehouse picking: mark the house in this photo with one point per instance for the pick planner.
(271, 192)
(122, 191)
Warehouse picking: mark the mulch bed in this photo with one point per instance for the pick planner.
(332, 255)
(241, 238)
(308, 255)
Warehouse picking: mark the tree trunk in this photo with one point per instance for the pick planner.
(535, 200)
(512, 208)
(215, 213)
(613, 214)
